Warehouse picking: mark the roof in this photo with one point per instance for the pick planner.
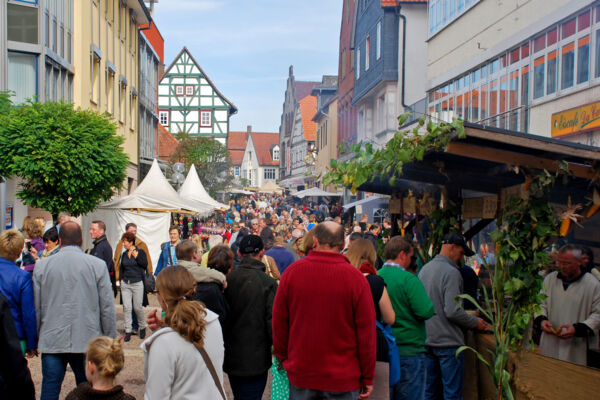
(308, 109)
(303, 89)
(236, 144)
(166, 143)
(263, 144)
(233, 107)
(389, 3)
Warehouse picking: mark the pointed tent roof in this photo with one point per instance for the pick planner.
(185, 49)
(270, 187)
(155, 193)
(193, 190)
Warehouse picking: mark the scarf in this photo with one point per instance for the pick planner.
(367, 268)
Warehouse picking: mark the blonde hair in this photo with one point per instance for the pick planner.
(176, 285)
(107, 355)
(198, 240)
(307, 242)
(11, 244)
(32, 228)
(360, 251)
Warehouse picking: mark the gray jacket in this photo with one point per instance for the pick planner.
(443, 282)
(73, 301)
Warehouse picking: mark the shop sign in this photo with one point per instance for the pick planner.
(8, 223)
(576, 120)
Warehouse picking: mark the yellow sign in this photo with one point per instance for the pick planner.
(576, 120)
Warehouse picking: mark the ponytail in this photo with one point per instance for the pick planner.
(107, 355)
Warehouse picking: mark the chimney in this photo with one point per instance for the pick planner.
(249, 129)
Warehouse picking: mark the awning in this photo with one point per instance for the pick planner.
(364, 201)
(315, 192)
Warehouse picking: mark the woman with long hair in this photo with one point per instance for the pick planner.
(179, 357)
(361, 253)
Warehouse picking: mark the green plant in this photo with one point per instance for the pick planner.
(407, 146)
(440, 222)
(526, 228)
(68, 159)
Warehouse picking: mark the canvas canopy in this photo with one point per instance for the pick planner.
(315, 192)
(193, 191)
(155, 193)
(270, 187)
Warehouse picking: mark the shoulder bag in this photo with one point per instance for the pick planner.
(393, 355)
(212, 370)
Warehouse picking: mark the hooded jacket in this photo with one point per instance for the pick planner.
(174, 368)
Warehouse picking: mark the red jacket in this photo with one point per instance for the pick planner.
(324, 324)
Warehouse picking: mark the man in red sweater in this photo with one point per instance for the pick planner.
(324, 322)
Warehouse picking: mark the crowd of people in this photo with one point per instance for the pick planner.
(331, 309)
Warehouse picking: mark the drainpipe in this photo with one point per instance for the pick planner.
(403, 80)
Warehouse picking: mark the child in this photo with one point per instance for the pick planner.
(104, 360)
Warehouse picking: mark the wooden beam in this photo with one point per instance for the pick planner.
(532, 143)
(475, 229)
(513, 158)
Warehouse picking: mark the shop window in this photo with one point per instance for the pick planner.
(552, 73)
(568, 66)
(583, 59)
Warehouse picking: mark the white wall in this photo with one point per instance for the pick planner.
(416, 54)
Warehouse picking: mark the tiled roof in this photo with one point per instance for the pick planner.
(263, 142)
(166, 143)
(237, 140)
(308, 109)
(303, 89)
(237, 156)
(389, 3)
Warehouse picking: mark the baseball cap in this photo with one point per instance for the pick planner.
(459, 240)
(251, 244)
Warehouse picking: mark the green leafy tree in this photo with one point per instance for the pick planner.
(210, 157)
(68, 159)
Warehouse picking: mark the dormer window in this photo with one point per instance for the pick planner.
(276, 153)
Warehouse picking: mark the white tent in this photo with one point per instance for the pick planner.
(270, 187)
(192, 190)
(315, 192)
(149, 207)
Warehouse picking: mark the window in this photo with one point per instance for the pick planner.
(110, 96)
(236, 171)
(597, 53)
(206, 119)
(583, 59)
(378, 51)
(164, 118)
(443, 12)
(276, 153)
(538, 77)
(95, 78)
(568, 66)
(357, 68)
(22, 23)
(179, 90)
(269, 173)
(122, 101)
(552, 73)
(22, 74)
(367, 52)
(132, 109)
(189, 90)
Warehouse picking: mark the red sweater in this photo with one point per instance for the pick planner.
(324, 324)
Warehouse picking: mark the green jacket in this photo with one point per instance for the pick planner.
(248, 334)
(412, 307)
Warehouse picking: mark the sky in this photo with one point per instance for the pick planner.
(247, 46)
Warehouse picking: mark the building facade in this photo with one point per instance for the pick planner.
(189, 102)
(390, 57)
(151, 53)
(106, 53)
(534, 68)
(260, 162)
(347, 114)
(291, 127)
(326, 119)
(236, 145)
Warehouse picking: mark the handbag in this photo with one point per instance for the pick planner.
(149, 282)
(393, 355)
(211, 369)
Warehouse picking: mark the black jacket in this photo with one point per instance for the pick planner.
(103, 251)
(211, 294)
(248, 334)
(15, 378)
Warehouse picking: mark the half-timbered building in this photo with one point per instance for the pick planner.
(189, 102)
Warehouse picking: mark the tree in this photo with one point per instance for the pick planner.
(210, 157)
(68, 159)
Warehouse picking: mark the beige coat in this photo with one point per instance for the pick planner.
(139, 243)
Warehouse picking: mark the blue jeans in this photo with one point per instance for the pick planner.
(310, 394)
(248, 387)
(53, 372)
(412, 379)
(445, 373)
